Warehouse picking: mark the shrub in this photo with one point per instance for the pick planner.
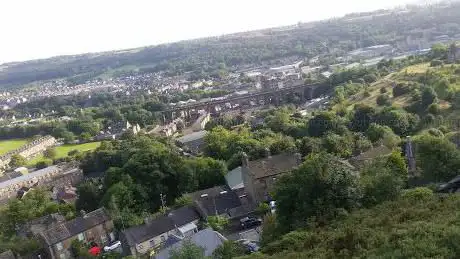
(383, 99)
(44, 163)
(434, 108)
(383, 90)
(417, 194)
(401, 89)
(436, 63)
(217, 223)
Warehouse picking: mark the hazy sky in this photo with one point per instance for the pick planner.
(33, 29)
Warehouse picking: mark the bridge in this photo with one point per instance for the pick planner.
(273, 96)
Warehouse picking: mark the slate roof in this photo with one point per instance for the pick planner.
(7, 255)
(234, 178)
(273, 165)
(207, 239)
(28, 177)
(220, 198)
(73, 227)
(160, 225)
(370, 154)
(192, 136)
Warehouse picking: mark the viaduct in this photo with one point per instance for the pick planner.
(272, 96)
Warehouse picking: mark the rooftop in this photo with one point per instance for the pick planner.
(160, 225)
(29, 176)
(273, 165)
(207, 239)
(192, 136)
(220, 199)
(73, 227)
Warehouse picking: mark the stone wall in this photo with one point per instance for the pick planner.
(29, 150)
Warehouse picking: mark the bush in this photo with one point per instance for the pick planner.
(401, 89)
(417, 194)
(383, 100)
(44, 163)
(435, 132)
(434, 108)
(263, 208)
(217, 223)
(367, 94)
(383, 90)
(73, 152)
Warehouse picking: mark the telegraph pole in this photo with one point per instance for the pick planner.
(163, 202)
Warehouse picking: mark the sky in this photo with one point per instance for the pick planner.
(32, 29)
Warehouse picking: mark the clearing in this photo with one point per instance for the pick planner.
(62, 151)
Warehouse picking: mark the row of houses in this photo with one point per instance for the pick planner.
(29, 150)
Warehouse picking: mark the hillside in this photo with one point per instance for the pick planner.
(419, 225)
(335, 37)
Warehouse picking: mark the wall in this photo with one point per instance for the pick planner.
(29, 150)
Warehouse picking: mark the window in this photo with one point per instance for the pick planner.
(152, 243)
(81, 237)
(59, 246)
(163, 238)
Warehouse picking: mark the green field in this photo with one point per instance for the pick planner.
(12, 144)
(62, 151)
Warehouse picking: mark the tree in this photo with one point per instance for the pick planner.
(379, 134)
(217, 223)
(363, 116)
(43, 163)
(321, 188)
(50, 153)
(438, 158)
(322, 123)
(229, 250)
(88, 196)
(17, 161)
(428, 97)
(383, 100)
(188, 250)
(270, 229)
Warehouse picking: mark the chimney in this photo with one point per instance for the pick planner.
(267, 152)
(244, 160)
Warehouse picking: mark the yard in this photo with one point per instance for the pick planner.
(62, 151)
(12, 144)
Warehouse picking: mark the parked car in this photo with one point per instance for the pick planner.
(249, 222)
(112, 246)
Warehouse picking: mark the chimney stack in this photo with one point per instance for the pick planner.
(244, 159)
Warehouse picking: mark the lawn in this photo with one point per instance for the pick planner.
(62, 151)
(12, 144)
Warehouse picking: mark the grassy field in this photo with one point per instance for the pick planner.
(8, 145)
(62, 151)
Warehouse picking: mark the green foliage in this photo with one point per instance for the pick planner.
(43, 163)
(319, 188)
(229, 250)
(217, 223)
(400, 121)
(78, 249)
(35, 204)
(188, 250)
(436, 63)
(270, 229)
(405, 228)
(401, 89)
(50, 153)
(17, 161)
(429, 96)
(383, 100)
(418, 194)
(363, 116)
(182, 201)
(73, 152)
(89, 196)
(434, 108)
(322, 123)
(383, 90)
(263, 208)
(438, 158)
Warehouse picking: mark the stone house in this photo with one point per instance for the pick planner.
(95, 227)
(260, 176)
(142, 239)
(214, 201)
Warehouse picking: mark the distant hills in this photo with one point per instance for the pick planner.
(305, 40)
